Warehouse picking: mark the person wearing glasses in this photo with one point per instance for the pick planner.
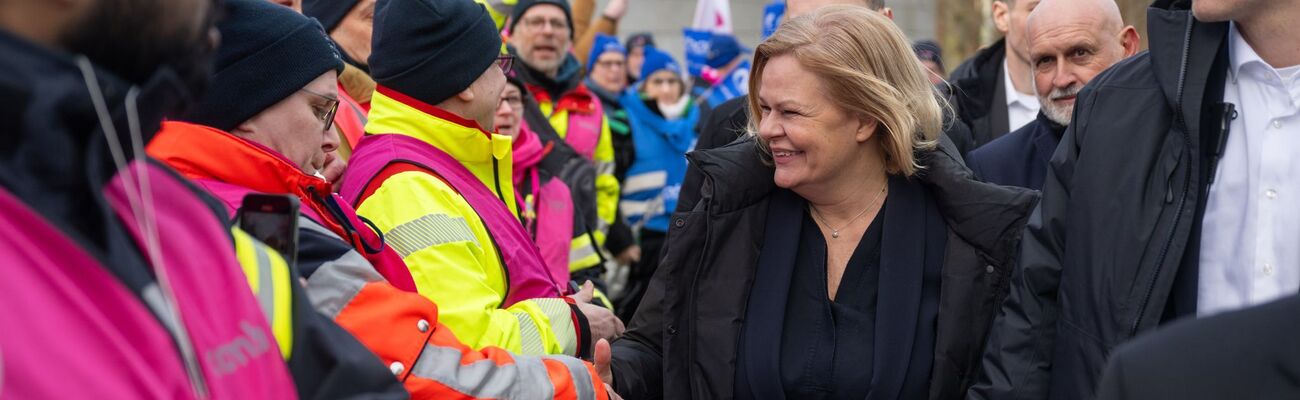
(273, 143)
(541, 35)
(436, 179)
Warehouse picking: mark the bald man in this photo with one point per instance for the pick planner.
(1070, 42)
(1171, 196)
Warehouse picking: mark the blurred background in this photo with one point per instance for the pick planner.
(960, 26)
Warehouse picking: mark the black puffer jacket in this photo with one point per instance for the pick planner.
(1106, 253)
(683, 341)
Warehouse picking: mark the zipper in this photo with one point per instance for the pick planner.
(1182, 197)
(695, 280)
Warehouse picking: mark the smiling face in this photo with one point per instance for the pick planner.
(542, 38)
(295, 127)
(812, 140)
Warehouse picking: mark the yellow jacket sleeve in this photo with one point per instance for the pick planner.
(607, 189)
(454, 263)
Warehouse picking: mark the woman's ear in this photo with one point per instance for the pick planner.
(866, 128)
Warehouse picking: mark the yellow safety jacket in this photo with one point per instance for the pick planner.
(446, 245)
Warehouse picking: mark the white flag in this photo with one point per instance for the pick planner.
(713, 15)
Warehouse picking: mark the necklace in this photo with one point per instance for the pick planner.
(835, 232)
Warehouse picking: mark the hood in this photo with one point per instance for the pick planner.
(568, 78)
(989, 217)
(1183, 51)
(528, 151)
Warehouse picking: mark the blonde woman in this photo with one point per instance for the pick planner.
(842, 252)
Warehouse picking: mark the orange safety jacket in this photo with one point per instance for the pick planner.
(400, 326)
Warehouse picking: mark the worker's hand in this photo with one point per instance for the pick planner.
(601, 321)
(616, 9)
(334, 166)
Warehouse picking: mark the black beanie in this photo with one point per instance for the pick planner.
(432, 49)
(328, 12)
(524, 5)
(267, 53)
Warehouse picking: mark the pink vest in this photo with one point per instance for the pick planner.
(584, 130)
(70, 327)
(549, 210)
(529, 277)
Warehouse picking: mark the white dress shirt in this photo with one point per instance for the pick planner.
(1021, 108)
(1250, 240)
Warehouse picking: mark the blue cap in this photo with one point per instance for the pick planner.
(601, 45)
(656, 60)
(723, 49)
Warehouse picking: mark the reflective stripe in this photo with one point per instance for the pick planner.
(527, 378)
(268, 276)
(580, 251)
(647, 181)
(530, 338)
(337, 282)
(428, 231)
(604, 168)
(560, 315)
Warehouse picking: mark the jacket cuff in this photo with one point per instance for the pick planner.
(582, 329)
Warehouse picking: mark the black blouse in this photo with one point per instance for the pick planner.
(827, 345)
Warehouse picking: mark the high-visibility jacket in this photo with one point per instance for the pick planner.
(578, 117)
(452, 257)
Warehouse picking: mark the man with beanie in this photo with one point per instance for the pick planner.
(433, 178)
(607, 78)
(636, 44)
(265, 145)
(541, 36)
(729, 68)
(350, 24)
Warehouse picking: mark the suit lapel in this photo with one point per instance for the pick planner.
(765, 315)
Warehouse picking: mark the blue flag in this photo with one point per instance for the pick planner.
(772, 14)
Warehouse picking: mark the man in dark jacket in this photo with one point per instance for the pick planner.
(1144, 212)
(1072, 41)
(993, 91)
(1247, 354)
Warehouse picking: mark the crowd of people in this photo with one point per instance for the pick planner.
(423, 199)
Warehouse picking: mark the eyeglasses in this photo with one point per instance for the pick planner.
(515, 101)
(325, 115)
(611, 64)
(537, 23)
(506, 62)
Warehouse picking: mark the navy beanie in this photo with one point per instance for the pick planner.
(432, 49)
(267, 53)
(328, 12)
(524, 5)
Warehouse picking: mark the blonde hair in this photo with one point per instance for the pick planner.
(868, 68)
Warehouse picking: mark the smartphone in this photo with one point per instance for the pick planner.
(272, 219)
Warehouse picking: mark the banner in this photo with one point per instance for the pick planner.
(697, 49)
(713, 15)
(772, 15)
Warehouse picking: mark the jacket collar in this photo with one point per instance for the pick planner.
(463, 139)
(204, 153)
(989, 217)
(978, 80)
(1183, 53)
